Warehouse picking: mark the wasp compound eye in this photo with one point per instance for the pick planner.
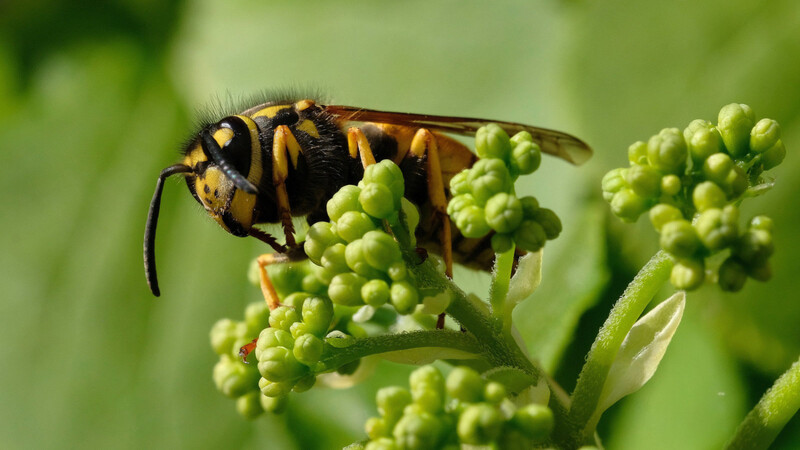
(234, 156)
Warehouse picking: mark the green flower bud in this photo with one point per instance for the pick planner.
(471, 221)
(383, 443)
(487, 178)
(319, 237)
(479, 424)
(465, 384)
(377, 201)
(667, 151)
(494, 392)
(313, 285)
(333, 259)
(283, 317)
(355, 255)
(346, 199)
(275, 389)
(256, 317)
(459, 184)
(412, 215)
(627, 205)
(418, 431)
(296, 300)
(735, 122)
(491, 141)
(679, 238)
(503, 212)
(535, 421)
(703, 140)
(520, 137)
(345, 289)
(708, 195)
(760, 272)
(234, 378)
(274, 405)
(645, 181)
(429, 400)
(502, 243)
(426, 377)
(714, 231)
(774, 155)
(613, 182)
(376, 428)
(732, 275)
(397, 271)
(298, 329)
(688, 274)
(386, 173)
(279, 364)
(755, 246)
(762, 223)
(273, 337)
(670, 185)
(307, 349)
(549, 221)
(530, 236)
(720, 169)
(764, 135)
(223, 335)
(529, 207)
(286, 278)
(458, 203)
(662, 214)
(249, 405)
(525, 158)
(380, 250)
(404, 297)
(375, 293)
(637, 153)
(352, 225)
(317, 315)
(305, 383)
(391, 401)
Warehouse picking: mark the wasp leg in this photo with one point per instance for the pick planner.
(424, 144)
(265, 260)
(285, 150)
(359, 146)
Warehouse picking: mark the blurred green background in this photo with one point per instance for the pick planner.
(96, 98)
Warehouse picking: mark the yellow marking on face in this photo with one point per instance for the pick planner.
(213, 188)
(195, 156)
(270, 111)
(242, 207)
(256, 168)
(303, 105)
(309, 128)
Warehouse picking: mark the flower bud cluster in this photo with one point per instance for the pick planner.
(359, 262)
(463, 409)
(691, 182)
(483, 198)
(289, 350)
(233, 377)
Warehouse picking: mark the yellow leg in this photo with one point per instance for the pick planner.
(359, 146)
(285, 150)
(270, 295)
(424, 143)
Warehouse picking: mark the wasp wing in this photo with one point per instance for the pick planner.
(556, 143)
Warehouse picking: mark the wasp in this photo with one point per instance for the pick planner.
(285, 158)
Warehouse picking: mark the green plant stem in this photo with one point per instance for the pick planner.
(619, 322)
(401, 341)
(763, 423)
(501, 277)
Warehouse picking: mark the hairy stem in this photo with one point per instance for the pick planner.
(499, 289)
(619, 322)
(763, 423)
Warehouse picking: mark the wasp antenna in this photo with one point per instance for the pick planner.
(213, 149)
(150, 228)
